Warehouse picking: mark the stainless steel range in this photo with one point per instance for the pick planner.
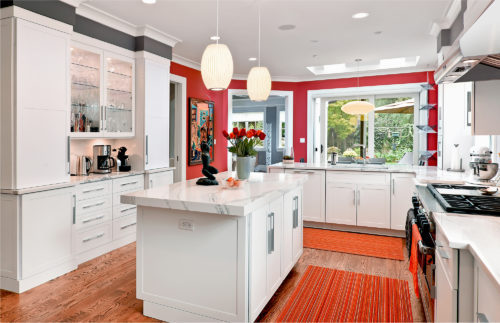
(465, 199)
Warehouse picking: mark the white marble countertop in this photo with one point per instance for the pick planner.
(77, 180)
(423, 174)
(259, 189)
(477, 233)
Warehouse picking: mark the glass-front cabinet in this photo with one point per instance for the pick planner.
(102, 93)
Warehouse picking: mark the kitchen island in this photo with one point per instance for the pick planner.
(213, 253)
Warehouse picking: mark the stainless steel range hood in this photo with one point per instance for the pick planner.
(476, 55)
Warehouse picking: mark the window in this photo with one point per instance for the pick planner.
(282, 129)
(249, 120)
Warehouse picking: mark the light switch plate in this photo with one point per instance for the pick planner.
(302, 140)
(185, 224)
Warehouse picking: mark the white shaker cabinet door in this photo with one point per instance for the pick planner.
(373, 206)
(446, 296)
(314, 194)
(488, 298)
(160, 179)
(274, 227)
(288, 222)
(341, 203)
(157, 111)
(42, 105)
(47, 219)
(258, 261)
(402, 190)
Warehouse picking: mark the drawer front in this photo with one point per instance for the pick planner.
(91, 190)
(88, 239)
(93, 205)
(128, 184)
(448, 257)
(124, 210)
(90, 219)
(124, 226)
(354, 177)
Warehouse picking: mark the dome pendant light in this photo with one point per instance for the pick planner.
(259, 79)
(217, 64)
(358, 107)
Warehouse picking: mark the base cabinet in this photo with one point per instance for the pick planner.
(446, 295)
(314, 194)
(402, 190)
(341, 203)
(373, 209)
(488, 298)
(159, 179)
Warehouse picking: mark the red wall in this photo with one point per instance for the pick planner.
(196, 89)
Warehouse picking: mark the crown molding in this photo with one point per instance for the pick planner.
(107, 19)
(158, 35)
(186, 62)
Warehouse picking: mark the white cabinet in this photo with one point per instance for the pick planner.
(34, 104)
(373, 206)
(488, 298)
(102, 93)
(292, 230)
(157, 112)
(36, 233)
(446, 295)
(314, 194)
(341, 203)
(356, 198)
(159, 179)
(402, 190)
(274, 236)
(486, 108)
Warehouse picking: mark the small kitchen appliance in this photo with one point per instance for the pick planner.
(123, 160)
(482, 167)
(102, 161)
(84, 165)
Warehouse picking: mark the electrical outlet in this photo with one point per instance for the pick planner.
(185, 224)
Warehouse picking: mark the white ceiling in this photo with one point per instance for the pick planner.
(405, 27)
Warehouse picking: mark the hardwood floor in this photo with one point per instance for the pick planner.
(103, 289)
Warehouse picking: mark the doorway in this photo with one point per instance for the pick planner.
(274, 116)
(177, 135)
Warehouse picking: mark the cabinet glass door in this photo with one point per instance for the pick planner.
(85, 91)
(119, 96)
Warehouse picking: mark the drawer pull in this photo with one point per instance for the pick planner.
(303, 172)
(128, 209)
(100, 235)
(130, 183)
(443, 253)
(93, 205)
(481, 317)
(94, 190)
(128, 225)
(93, 219)
(295, 219)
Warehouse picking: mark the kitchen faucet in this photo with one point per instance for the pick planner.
(363, 150)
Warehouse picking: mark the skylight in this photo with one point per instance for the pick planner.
(382, 64)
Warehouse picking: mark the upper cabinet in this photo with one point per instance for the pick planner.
(102, 93)
(485, 112)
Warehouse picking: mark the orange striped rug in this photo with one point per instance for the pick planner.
(355, 243)
(330, 295)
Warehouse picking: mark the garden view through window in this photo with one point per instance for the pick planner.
(391, 130)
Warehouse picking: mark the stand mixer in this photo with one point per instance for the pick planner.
(482, 167)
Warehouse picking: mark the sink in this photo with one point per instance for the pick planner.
(360, 166)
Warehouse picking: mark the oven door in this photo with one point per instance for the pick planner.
(426, 279)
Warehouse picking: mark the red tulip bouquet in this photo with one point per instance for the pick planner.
(243, 142)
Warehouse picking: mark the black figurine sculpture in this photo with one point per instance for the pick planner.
(207, 170)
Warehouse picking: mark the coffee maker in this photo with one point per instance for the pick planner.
(103, 162)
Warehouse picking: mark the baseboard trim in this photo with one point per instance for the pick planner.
(170, 314)
(355, 229)
(20, 286)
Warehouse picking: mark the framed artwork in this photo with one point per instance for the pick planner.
(201, 128)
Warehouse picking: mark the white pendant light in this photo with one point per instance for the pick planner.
(217, 63)
(259, 79)
(358, 107)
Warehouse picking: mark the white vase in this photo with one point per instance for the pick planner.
(244, 165)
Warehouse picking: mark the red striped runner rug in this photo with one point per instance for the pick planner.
(330, 295)
(355, 243)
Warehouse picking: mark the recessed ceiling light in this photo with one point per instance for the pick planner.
(360, 15)
(149, 1)
(315, 41)
(314, 56)
(215, 38)
(252, 59)
(286, 27)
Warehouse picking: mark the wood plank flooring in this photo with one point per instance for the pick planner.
(103, 289)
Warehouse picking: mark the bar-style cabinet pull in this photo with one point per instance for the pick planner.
(74, 208)
(129, 183)
(354, 199)
(359, 197)
(93, 205)
(393, 186)
(128, 225)
(270, 233)
(295, 212)
(93, 219)
(147, 149)
(93, 190)
(100, 235)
